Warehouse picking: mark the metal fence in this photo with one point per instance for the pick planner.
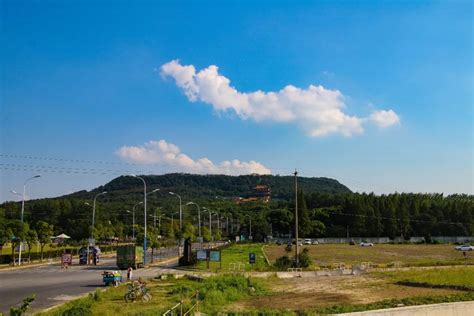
(386, 240)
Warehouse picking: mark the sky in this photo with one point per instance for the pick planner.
(376, 94)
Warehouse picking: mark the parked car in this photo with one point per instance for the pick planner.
(307, 241)
(465, 248)
(352, 242)
(315, 242)
(366, 244)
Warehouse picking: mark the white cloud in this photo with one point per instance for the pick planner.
(385, 118)
(162, 152)
(317, 110)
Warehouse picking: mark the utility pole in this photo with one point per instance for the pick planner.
(296, 219)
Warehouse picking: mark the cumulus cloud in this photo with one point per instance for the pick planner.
(384, 118)
(168, 154)
(317, 110)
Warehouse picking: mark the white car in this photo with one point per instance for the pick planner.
(465, 248)
(366, 244)
(307, 241)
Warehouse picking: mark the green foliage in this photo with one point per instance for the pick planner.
(304, 259)
(23, 307)
(206, 235)
(283, 263)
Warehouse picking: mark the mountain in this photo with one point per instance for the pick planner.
(209, 186)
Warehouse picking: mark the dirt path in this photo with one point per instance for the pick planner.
(301, 294)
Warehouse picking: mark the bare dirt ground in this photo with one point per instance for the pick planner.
(411, 255)
(303, 293)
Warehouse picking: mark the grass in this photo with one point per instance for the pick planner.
(391, 303)
(327, 255)
(238, 253)
(448, 277)
(215, 294)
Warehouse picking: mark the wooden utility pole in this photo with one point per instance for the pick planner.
(296, 220)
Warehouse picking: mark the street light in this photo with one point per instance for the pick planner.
(250, 234)
(180, 210)
(199, 216)
(210, 226)
(144, 208)
(172, 219)
(133, 211)
(23, 207)
(93, 221)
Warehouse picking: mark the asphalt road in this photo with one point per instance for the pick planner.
(53, 285)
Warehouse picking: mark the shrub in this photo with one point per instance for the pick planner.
(283, 263)
(304, 259)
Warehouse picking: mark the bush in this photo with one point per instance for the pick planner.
(288, 248)
(283, 263)
(304, 259)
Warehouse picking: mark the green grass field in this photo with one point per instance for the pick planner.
(457, 276)
(380, 254)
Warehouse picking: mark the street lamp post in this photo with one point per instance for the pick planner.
(133, 222)
(210, 221)
(93, 222)
(180, 210)
(23, 209)
(133, 228)
(250, 232)
(199, 216)
(144, 208)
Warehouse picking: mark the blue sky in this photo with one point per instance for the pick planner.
(82, 80)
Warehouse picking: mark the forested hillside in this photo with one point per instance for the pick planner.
(326, 208)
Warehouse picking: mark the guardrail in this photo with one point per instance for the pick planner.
(179, 309)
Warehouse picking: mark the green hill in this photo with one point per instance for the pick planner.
(210, 186)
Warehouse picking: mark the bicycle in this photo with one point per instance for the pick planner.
(136, 291)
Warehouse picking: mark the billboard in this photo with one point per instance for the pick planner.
(215, 256)
(201, 255)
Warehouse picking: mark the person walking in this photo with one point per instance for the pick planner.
(129, 273)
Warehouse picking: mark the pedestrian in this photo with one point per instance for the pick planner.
(129, 273)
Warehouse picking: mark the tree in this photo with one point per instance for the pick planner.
(44, 232)
(19, 230)
(206, 235)
(31, 238)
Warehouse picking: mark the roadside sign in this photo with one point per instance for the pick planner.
(252, 258)
(201, 255)
(237, 238)
(215, 256)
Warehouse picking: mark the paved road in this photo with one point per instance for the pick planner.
(53, 285)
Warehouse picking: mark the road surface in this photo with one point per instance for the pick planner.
(54, 285)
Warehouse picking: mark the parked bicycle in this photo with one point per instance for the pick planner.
(137, 290)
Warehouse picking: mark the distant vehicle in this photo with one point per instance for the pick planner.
(307, 241)
(352, 242)
(315, 242)
(366, 244)
(465, 248)
(129, 256)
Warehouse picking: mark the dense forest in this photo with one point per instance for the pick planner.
(326, 208)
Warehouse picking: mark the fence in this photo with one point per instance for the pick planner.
(386, 240)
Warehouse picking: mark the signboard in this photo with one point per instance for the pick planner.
(66, 259)
(252, 258)
(242, 238)
(237, 238)
(215, 256)
(201, 255)
(200, 239)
